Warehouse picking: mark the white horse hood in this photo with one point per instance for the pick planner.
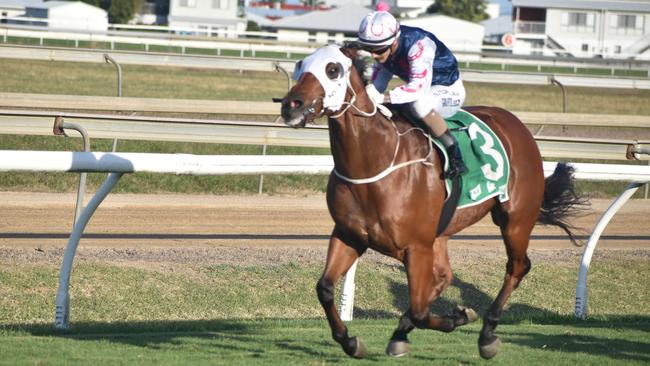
(316, 63)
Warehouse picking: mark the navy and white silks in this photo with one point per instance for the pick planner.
(430, 71)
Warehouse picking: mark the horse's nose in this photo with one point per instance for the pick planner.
(291, 104)
(292, 101)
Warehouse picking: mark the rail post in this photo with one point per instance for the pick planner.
(582, 295)
(110, 60)
(59, 129)
(62, 301)
(347, 294)
(281, 69)
(554, 81)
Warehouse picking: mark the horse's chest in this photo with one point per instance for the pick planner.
(371, 229)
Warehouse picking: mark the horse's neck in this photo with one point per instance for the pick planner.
(362, 146)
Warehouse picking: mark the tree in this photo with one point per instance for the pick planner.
(96, 3)
(121, 11)
(472, 10)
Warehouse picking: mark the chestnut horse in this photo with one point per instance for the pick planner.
(398, 214)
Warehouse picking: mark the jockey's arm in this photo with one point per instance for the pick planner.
(380, 77)
(420, 58)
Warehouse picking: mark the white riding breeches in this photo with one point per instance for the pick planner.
(444, 100)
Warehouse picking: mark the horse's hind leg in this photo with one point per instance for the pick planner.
(340, 258)
(442, 278)
(516, 235)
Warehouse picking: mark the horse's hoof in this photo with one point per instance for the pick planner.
(398, 348)
(490, 350)
(463, 316)
(360, 349)
(469, 313)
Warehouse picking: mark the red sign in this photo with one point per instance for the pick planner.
(508, 40)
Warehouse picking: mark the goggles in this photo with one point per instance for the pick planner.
(376, 50)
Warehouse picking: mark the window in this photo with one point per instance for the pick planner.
(578, 19)
(188, 3)
(219, 4)
(626, 24)
(578, 22)
(585, 47)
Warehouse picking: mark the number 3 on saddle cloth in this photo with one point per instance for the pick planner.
(488, 167)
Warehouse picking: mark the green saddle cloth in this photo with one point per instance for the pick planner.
(488, 168)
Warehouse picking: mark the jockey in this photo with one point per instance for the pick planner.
(433, 89)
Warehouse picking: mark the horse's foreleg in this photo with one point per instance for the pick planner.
(442, 278)
(340, 258)
(423, 289)
(518, 265)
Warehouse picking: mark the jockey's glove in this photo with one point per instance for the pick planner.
(374, 95)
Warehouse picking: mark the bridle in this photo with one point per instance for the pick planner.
(351, 104)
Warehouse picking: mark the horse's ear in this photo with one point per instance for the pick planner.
(297, 71)
(349, 51)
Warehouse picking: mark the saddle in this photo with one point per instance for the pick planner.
(483, 154)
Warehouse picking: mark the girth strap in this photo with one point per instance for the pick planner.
(449, 207)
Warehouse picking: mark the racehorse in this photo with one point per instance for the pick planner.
(398, 214)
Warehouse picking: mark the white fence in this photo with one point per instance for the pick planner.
(157, 36)
(119, 163)
(257, 133)
(268, 64)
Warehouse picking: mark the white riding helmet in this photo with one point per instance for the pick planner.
(378, 29)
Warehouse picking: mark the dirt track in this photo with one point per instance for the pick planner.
(190, 228)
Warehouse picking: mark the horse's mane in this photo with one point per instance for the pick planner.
(361, 61)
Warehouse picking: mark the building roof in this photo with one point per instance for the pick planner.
(499, 25)
(273, 13)
(344, 19)
(50, 4)
(205, 21)
(261, 21)
(19, 4)
(435, 19)
(67, 7)
(620, 5)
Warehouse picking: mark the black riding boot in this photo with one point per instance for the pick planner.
(456, 165)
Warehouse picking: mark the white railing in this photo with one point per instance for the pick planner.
(248, 43)
(116, 164)
(269, 64)
(265, 133)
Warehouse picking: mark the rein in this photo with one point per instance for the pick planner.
(351, 104)
(392, 167)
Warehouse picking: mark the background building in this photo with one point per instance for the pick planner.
(457, 34)
(56, 15)
(205, 17)
(336, 23)
(582, 28)
(14, 8)
(68, 16)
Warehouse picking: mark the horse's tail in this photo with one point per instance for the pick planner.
(561, 200)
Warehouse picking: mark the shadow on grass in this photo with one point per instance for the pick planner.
(514, 313)
(310, 338)
(605, 346)
(517, 314)
(226, 339)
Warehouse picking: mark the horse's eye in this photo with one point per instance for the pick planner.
(333, 70)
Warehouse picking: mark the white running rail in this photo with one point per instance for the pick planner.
(118, 164)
